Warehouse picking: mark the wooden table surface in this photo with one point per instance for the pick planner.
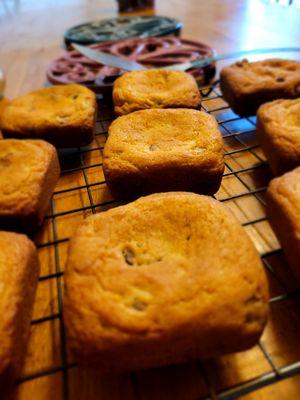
(30, 37)
(31, 31)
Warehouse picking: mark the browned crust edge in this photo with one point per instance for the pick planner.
(279, 212)
(29, 222)
(27, 282)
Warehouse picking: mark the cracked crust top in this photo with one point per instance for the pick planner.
(246, 85)
(169, 277)
(63, 115)
(281, 114)
(160, 150)
(151, 88)
(150, 139)
(278, 129)
(29, 170)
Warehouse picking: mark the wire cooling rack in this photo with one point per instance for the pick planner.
(49, 369)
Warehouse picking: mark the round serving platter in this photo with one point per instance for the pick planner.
(122, 28)
(72, 67)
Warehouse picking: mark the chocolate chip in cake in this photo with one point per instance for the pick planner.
(139, 305)
(128, 255)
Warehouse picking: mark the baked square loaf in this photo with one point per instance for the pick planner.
(168, 278)
(278, 130)
(155, 88)
(161, 150)
(29, 170)
(19, 270)
(62, 115)
(246, 85)
(283, 208)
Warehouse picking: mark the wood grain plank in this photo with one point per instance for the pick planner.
(30, 37)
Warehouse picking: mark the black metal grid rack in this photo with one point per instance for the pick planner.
(246, 176)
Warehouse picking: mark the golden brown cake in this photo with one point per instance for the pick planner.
(62, 115)
(168, 278)
(19, 270)
(161, 150)
(29, 170)
(3, 104)
(155, 88)
(246, 85)
(283, 208)
(278, 130)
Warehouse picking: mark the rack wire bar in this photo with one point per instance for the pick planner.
(240, 141)
(65, 387)
(260, 382)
